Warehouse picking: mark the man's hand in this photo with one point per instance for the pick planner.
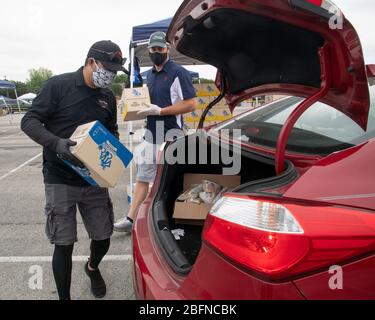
(153, 110)
(63, 152)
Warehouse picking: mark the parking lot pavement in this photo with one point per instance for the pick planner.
(24, 250)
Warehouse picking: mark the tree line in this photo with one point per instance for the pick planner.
(38, 76)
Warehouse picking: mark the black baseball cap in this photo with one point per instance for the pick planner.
(109, 54)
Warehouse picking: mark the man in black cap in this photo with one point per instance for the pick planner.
(64, 103)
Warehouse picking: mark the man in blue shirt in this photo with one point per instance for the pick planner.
(172, 95)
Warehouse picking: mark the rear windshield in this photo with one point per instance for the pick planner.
(321, 130)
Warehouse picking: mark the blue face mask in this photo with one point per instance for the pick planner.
(102, 78)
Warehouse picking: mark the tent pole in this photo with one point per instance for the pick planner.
(18, 103)
(130, 127)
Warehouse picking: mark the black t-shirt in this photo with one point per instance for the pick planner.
(63, 104)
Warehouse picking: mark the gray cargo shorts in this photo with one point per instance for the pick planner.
(146, 160)
(94, 205)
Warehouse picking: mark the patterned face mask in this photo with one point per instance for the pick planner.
(102, 78)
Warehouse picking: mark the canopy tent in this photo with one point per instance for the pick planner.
(4, 84)
(194, 75)
(139, 42)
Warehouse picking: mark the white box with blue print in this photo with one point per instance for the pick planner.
(104, 157)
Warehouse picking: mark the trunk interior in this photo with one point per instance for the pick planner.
(253, 50)
(256, 171)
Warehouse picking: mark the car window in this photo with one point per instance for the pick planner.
(321, 130)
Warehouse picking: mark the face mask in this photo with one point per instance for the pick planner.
(158, 58)
(102, 78)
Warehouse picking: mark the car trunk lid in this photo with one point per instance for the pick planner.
(272, 47)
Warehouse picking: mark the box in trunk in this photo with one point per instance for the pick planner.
(193, 213)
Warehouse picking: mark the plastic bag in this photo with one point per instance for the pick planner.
(191, 194)
(206, 192)
(210, 191)
(211, 187)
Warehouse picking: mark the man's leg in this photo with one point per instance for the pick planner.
(140, 195)
(61, 230)
(97, 214)
(99, 249)
(62, 270)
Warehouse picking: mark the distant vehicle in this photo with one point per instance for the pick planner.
(11, 105)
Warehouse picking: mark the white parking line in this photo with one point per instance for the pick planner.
(20, 167)
(12, 135)
(49, 259)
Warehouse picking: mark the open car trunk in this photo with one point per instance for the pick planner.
(257, 173)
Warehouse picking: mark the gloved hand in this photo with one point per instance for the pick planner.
(153, 110)
(63, 152)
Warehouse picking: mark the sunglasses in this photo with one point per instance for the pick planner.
(115, 57)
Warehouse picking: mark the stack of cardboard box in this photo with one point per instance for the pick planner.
(135, 100)
(207, 93)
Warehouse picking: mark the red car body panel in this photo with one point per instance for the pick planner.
(358, 283)
(351, 182)
(214, 278)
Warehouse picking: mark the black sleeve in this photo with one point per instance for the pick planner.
(112, 125)
(42, 109)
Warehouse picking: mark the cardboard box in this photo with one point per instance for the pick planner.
(102, 153)
(192, 213)
(135, 100)
(203, 102)
(206, 90)
(194, 116)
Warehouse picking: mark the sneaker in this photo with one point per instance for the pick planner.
(98, 287)
(123, 225)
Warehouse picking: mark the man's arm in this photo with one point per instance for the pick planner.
(112, 125)
(42, 109)
(184, 90)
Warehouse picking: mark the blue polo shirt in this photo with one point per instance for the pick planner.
(167, 87)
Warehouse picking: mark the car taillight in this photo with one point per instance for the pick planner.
(282, 239)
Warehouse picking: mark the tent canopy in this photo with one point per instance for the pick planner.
(142, 33)
(194, 75)
(7, 85)
(140, 37)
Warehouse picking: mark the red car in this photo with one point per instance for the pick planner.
(302, 223)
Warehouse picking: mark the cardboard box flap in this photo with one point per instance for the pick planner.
(135, 93)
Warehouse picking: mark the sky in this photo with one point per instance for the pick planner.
(57, 34)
